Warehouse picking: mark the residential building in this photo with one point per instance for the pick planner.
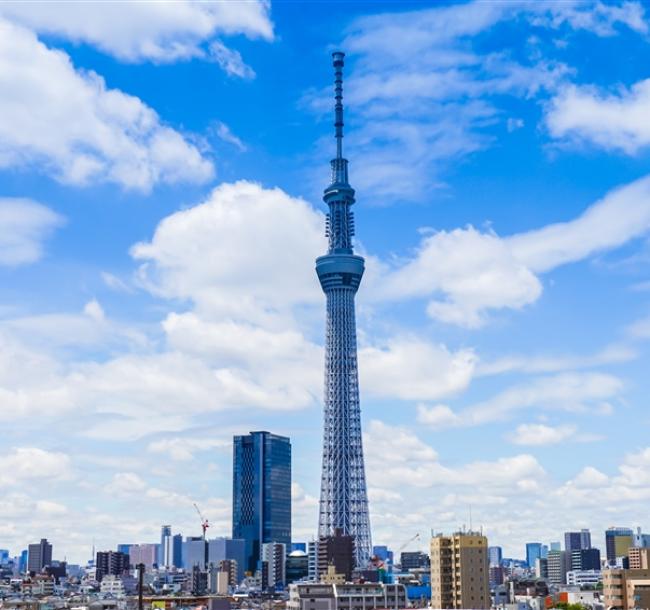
(585, 559)
(273, 557)
(459, 571)
(112, 585)
(261, 492)
(39, 555)
(312, 561)
(623, 589)
(110, 563)
(618, 540)
(533, 553)
(584, 578)
(337, 551)
(495, 555)
(639, 558)
(230, 567)
(329, 596)
(558, 565)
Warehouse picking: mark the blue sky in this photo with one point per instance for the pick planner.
(160, 214)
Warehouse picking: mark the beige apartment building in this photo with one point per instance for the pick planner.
(459, 571)
(639, 558)
(626, 589)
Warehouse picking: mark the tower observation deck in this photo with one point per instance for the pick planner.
(343, 496)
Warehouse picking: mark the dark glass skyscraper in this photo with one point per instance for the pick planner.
(343, 494)
(261, 492)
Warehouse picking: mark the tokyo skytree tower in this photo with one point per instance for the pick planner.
(343, 495)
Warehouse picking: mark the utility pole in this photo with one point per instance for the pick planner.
(140, 567)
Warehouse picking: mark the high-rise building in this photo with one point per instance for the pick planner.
(110, 562)
(585, 559)
(165, 549)
(411, 560)
(234, 549)
(274, 555)
(297, 566)
(312, 560)
(177, 550)
(574, 541)
(555, 546)
(39, 556)
(336, 551)
(343, 496)
(261, 499)
(617, 542)
(558, 564)
(459, 571)
(195, 553)
(124, 548)
(146, 554)
(640, 539)
(533, 553)
(495, 555)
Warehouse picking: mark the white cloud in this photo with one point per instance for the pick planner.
(140, 31)
(610, 120)
(541, 434)
(24, 226)
(573, 392)
(230, 61)
(413, 369)
(70, 125)
(22, 464)
(182, 449)
(474, 272)
(126, 483)
(246, 250)
(225, 134)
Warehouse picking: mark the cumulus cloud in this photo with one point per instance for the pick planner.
(23, 464)
(572, 392)
(69, 124)
(145, 31)
(469, 272)
(24, 227)
(541, 434)
(612, 120)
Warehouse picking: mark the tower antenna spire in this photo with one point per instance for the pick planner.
(337, 60)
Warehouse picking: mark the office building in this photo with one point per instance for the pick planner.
(297, 566)
(574, 541)
(555, 546)
(626, 589)
(541, 568)
(343, 495)
(495, 555)
(585, 559)
(357, 596)
(39, 555)
(459, 571)
(110, 562)
(312, 561)
(412, 560)
(584, 578)
(338, 552)
(261, 492)
(558, 564)
(274, 556)
(177, 550)
(618, 540)
(146, 554)
(195, 553)
(533, 553)
(220, 549)
(165, 548)
(124, 548)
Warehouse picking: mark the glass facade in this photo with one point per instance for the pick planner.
(261, 510)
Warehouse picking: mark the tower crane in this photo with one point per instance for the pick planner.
(204, 522)
(411, 539)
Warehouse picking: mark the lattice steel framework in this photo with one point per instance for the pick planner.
(343, 497)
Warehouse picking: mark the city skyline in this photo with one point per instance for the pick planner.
(160, 211)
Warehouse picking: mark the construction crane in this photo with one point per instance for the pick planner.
(411, 539)
(204, 522)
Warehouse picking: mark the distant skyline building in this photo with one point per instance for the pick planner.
(343, 494)
(146, 554)
(39, 555)
(177, 550)
(585, 559)
(232, 549)
(533, 553)
(336, 551)
(261, 498)
(574, 541)
(273, 559)
(110, 563)
(558, 564)
(618, 540)
(165, 549)
(495, 555)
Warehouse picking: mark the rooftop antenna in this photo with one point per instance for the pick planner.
(337, 58)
